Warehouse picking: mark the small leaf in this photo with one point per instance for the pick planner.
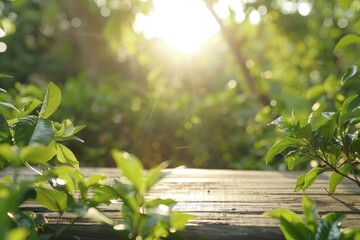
(328, 227)
(37, 154)
(4, 130)
(351, 73)
(279, 147)
(291, 224)
(336, 178)
(29, 108)
(51, 101)
(2, 26)
(179, 220)
(51, 199)
(94, 179)
(311, 177)
(155, 175)
(9, 105)
(30, 130)
(9, 154)
(344, 4)
(19, 233)
(130, 167)
(300, 182)
(346, 41)
(97, 216)
(65, 155)
(311, 213)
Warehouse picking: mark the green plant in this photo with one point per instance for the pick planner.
(30, 139)
(331, 138)
(148, 219)
(313, 228)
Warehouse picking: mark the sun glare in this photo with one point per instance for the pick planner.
(184, 24)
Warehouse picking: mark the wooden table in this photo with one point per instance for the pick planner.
(229, 203)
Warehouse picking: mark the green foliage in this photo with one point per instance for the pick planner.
(312, 228)
(35, 141)
(330, 138)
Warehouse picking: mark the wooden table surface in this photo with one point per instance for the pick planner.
(229, 203)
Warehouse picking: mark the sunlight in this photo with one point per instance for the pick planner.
(184, 24)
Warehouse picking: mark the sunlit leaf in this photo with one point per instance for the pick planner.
(8, 153)
(19, 233)
(291, 224)
(346, 41)
(179, 220)
(311, 176)
(279, 147)
(29, 108)
(94, 179)
(37, 154)
(336, 178)
(300, 182)
(351, 73)
(93, 214)
(51, 199)
(65, 155)
(9, 105)
(130, 167)
(51, 101)
(350, 234)
(155, 175)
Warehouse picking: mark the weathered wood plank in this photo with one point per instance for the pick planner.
(229, 203)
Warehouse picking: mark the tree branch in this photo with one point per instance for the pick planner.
(230, 39)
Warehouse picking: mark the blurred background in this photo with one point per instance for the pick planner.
(194, 82)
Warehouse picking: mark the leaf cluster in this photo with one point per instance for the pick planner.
(329, 138)
(31, 139)
(312, 227)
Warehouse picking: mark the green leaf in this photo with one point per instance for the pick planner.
(9, 154)
(51, 101)
(19, 233)
(156, 202)
(37, 154)
(311, 177)
(9, 105)
(350, 234)
(328, 227)
(4, 130)
(351, 73)
(279, 147)
(94, 179)
(345, 110)
(179, 220)
(130, 167)
(29, 108)
(51, 199)
(344, 4)
(311, 213)
(155, 175)
(336, 178)
(293, 158)
(65, 155)
(291, 224)
(93, 214)
(346, 41)
(300, 182)
(30, 130)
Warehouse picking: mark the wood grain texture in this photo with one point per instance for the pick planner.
(229, 203)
